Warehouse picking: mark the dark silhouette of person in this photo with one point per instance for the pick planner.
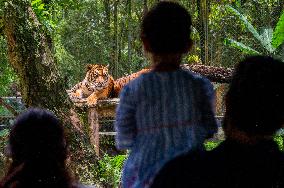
(167, 111)
(38, 150)
(248, 157)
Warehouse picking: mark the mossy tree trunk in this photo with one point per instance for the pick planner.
(30, 53)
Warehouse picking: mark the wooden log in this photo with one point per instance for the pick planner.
(214, 74)
(94, 127)
(106, 108)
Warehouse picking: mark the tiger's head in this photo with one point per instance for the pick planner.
(97, 77)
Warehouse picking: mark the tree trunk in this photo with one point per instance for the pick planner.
(114, 50)
(107, 31)
(30, 53)
(129, 30)
(214, 74)
(114, 69)
(145, 7)
(201, 29)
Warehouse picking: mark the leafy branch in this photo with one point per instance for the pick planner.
(269, 40)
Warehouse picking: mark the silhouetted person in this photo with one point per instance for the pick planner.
(167, 111)
(38, 150)
(248, 157)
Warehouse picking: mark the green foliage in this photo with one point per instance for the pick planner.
(42, 14)
(74, 71)
(279, 139)
(110, 169)
(268, 39)
(192, 59)
(245, 22)
(4, 133)
(3, 143)
(210, 145)
(7, 75)
(242, 47)
(278, 34)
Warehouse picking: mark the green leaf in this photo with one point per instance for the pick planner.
(40, 7)
(35, 2)
(4, 133)
(240, 46)
(266, 37)
(250, 27)
(238, 3)
(278, 34)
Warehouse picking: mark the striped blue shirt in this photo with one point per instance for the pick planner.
(162, 115)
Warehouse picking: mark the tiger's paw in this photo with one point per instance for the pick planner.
(91, 101)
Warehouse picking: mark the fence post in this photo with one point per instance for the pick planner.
(93, 122)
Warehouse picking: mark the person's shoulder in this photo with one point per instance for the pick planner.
(141, 79)
(178, 171)
(138, 84)
(195, 76)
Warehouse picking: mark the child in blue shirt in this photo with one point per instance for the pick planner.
(168, 111)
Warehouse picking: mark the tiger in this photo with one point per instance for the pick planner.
(121, 82)
(97, 84)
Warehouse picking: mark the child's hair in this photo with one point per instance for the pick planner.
(37, 134)
(38, 150)
(255, 100)
(167, 28)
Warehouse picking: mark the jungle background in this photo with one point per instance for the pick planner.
(46, 44)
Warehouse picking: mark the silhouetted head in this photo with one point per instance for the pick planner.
(255, 100)
(38, 151)
(166, 29)
(37, 136)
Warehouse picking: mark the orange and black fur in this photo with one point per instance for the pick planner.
(120, 82)
(99, 84)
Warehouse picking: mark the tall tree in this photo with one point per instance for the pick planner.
(30, 53)
(107, 24)
(201, 29)
(145, 7)
(115, 40)
(130, 28)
